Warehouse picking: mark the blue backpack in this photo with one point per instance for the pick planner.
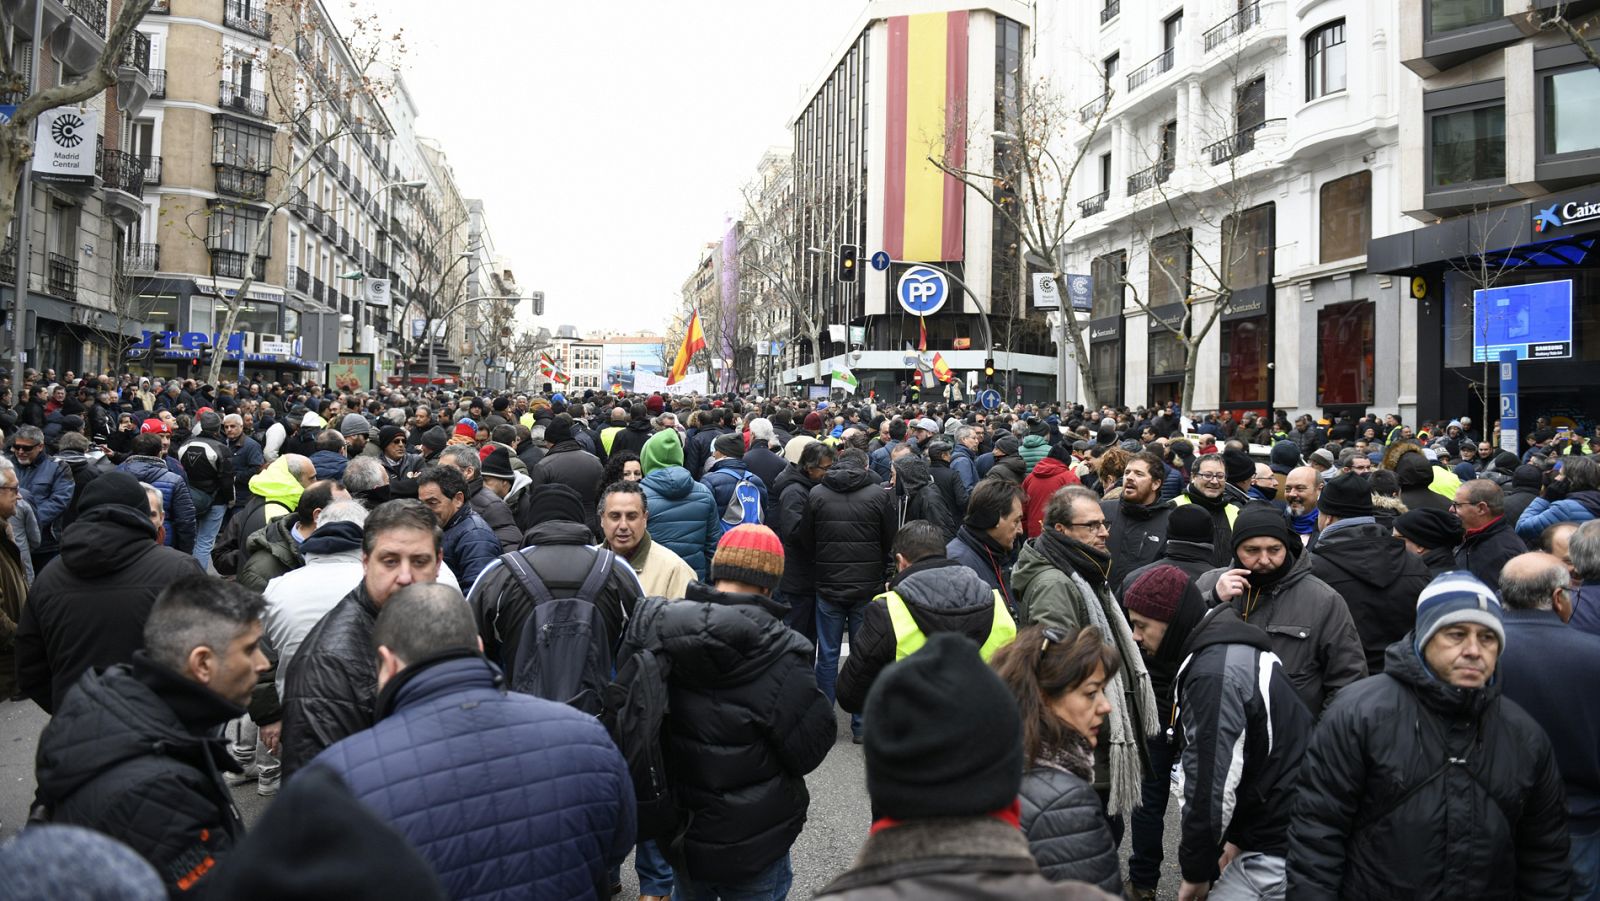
(744, 506)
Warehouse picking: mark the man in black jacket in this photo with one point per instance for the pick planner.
(136, 751)
(1138, 523)
(933, 592)
(330, 689)
(87, 608)
(1491, 540)
(567, 463)
(1188, 546)
(789, 496)
(1423, 782)
(847, 529)
(488, 505)
(951, 488)
(1370, 568)
(1242, 731)
(1209, 491)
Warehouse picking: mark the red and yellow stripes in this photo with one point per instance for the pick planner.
(924, 209)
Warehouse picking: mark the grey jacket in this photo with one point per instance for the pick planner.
(1309, 626)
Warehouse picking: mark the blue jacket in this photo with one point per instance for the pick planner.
(506, 795)
(879, 459)
(177, 504)
(48, 485)
(1172, 484)
(1586, 609)
(329, 464)
(684, 516)
(469, 546)
(1579, 507)
(724, 475)
(965, 465)
(1543, 660)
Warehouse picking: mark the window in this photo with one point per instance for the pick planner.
(231, 228)
(1105, 173)
(1169, 145)
(1171, 27)
(1345, 354)
(1169, 269)
(1467, 146)
(1250, 105)
(163, 312)
(1246, 348)
(1112, 64)
(1105, 361)
(1325, 60)
(1247, 248)
(1346, 217)
(241, 145)
(1448, 15)
(254, 316)
(1109, 272)
(1570, 101)
(1166, 354)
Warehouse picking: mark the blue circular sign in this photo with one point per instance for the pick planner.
(989, 399)
(880, 260)
(922, 290)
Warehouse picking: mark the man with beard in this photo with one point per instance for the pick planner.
(1208, 490)
(1061, 577)
(1138, 523)
(1272, 586)
(1300, 488)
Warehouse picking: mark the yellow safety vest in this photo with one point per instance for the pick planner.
(908, 637)
(1232, 509)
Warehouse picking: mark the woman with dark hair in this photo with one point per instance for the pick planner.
(1059, 682)
(622, 466)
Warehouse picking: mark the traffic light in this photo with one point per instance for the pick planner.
(847, 262)
(988, 370)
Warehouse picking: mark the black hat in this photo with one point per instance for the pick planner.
(1429, 528)
(729, 445)
(1238, 466)
(317, 841)
(554, 502)
(942, 736)
(1008, 445)
(1346, 496)
(497, 465)
(1190, 523)
(1260, 521)
(388, 433)
(115, 487)
(558, 430)
(434, 440)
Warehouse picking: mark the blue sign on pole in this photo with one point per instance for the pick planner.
(922, 290)
(1509, 440)
(7, 111)
(989, 399)
(880, 260)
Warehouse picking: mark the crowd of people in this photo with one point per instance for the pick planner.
(491, 646)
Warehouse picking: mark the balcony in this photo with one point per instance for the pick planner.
(62, 277)
(1158, 66)
(302, 280)
(1091, 110)
(152, 169)
(134, 85)
(231, 264)
(241, 183)
(1110, 11)
(1093, 205)
(1239, 143)
(302, 48)
(1146, 179)
(80, 40)
(235, 97)
(137, 52)
(302, 128)
(248, 16)
(158, 83)
(141, 259)
(122, 172)
(1233, 26)
(92, 13)
(319, 290)
(300, 206)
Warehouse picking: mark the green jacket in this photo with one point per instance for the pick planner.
(1034, 448)
(1045, 595)
(269, 553)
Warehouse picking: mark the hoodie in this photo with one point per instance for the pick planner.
(683, 514)
(276, 485)
(1378, 579)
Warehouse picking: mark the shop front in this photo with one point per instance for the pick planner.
(1166, 352)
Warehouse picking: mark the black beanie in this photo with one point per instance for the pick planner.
(1430, 529)
(317, 841)
(558, 430)
(1261, 521)
(1238, 466)
(942, 735)
(1191, 523)
(434, 440)
(115, 487)
(1346, 496)
(388, 433)
(730, 445)
(553, 501)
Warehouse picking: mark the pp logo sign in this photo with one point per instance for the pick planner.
(922, 291)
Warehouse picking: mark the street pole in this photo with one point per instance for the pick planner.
(19, 319)
(432, 370)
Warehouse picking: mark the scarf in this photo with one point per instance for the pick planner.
(1305, 523)
(1076, 757)
(1209, 504)
(1098, 608)
(1070, 555)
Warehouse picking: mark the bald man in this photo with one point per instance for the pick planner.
(1301, 488)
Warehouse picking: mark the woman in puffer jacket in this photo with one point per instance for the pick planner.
(1059, 681)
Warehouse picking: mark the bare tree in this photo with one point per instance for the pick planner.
(303, 89)
(130, 306)
(437, 273)
(1558, 18)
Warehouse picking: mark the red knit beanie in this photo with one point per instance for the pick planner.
(751, 554)
(1156, 594)
(466, 428)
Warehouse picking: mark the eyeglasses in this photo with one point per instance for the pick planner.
(1098, 525)
(1211, 476)
(11, 488)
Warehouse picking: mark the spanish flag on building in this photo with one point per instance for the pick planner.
(924, 214)
(694, 340)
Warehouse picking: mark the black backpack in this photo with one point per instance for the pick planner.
(637, 704)
(562, 653)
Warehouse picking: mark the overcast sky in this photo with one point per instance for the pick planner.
(609, 140)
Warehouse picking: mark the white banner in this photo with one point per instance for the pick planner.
(378, 291)
(64, 142)
(649, 382)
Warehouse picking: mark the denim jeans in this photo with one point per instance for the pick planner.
(832, 622)
(771, 884)
(650, 865)
(1148, 820)
(207, 525)
(1586, 867)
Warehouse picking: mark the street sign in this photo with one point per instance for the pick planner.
(1080, 290)
(7, 110)
(880, 260)
(989, 399)
(1509, 439)
(922, 290)
(1045, 295)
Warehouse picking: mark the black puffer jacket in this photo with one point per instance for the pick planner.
(916, 497)
(88, 606)
(496, 515)
(632, 437)
(942, 595)
(1415, 474)
(1487, 551)
(1138, 532)
(1378, 579)
(747, 724)
(788, 508)
(135, 752)
(569, 464)
(1066, 829)
(1416, 789)
(333, 681)
(560, 554)
(848, 528)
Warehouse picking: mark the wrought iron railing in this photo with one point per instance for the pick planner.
(122, 171)
(1093, 205)
(92, 12)
(1240, 22)
(1089, 111)
(141, 258)
(61, 278)
(241, 183)
(1240, 142)
(136, 52)
(1146, 179)
(1110, 10)
(237, 97)
(249, 16)
(152, 169)
(231, 264)
(1151, 69)
(158, 82)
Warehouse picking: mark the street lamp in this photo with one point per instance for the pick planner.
(432, 363)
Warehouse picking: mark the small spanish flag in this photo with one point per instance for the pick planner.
(694, 340)
(941, 369)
